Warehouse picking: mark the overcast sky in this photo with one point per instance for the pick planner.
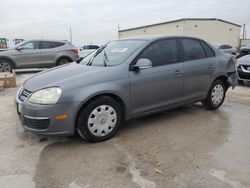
(97, 21)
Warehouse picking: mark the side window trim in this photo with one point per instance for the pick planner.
(203, 42)
(149, 45)
(182, 49)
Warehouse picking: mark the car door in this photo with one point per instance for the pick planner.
(199, 65)
(158, 86)
(48, 52)
(28, 55)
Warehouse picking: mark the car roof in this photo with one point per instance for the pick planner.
(220, 44)
(157, 37)
(47, 40)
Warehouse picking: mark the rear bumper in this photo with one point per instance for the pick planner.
(232, 79)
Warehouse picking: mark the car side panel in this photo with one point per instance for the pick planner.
(198, 76)
(48, 56)
(26, 58)
(156, 87)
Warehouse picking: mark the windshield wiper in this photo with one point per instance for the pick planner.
(105, 58)
(96, 53)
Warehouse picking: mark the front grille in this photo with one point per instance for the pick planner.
(246, 67)
(39, 124)
(243, 75)
(24, 94)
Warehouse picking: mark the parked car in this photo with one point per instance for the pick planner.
(87, 49)
(38, 54)
(125, 79)
(226, 48)
(243, 69)
(244, 51)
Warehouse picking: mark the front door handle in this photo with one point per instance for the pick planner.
(178, 73)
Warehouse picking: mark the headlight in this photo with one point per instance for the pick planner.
(46, 96)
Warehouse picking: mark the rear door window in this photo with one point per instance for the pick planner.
(192, 49)
(86, 47)
(161, 52)
(227, 46)
(208, 51)
(93, 47)
(48, 44)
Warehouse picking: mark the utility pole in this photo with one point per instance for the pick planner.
(118, 31)
(70, 34)
(244, 31)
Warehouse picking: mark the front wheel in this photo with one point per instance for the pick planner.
(5, 65)
(216, 95)
(99, 120)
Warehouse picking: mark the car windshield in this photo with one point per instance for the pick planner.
(113, 53)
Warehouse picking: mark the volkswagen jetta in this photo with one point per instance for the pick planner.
(125, 79)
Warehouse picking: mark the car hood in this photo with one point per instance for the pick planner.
(244, 60)
(66, 77)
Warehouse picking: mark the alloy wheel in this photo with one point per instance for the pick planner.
(5, 66)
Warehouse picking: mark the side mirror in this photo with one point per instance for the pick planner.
(79, 59)
(142, 63)
(19, 48)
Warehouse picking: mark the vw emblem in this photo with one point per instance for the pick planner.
(248, 68)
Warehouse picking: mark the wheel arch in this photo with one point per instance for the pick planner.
(224, 79)
(63, 56)
(112, 95)
(9, 59)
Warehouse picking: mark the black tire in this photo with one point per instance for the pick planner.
(82, 125)
(63, 61)
(5, 65)
(209, 101)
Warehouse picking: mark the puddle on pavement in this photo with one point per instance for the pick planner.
(177, 143)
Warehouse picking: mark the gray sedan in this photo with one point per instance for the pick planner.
(122, 80)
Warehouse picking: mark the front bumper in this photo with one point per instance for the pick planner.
(41, 119)
(243, 74)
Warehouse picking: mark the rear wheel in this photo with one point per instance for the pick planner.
(216, 95)
(5, 65)
(99, 120)
(63, 61)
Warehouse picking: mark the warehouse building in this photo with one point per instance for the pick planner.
(211, 29)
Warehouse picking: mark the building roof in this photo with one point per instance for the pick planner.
(183, 19)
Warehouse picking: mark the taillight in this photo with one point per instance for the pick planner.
(75, 50)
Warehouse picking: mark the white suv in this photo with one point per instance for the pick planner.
(87, 49)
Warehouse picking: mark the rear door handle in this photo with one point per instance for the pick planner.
(211, 67)
(178, 73)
